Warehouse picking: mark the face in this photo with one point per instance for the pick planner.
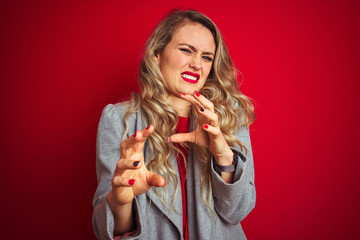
(186, 61)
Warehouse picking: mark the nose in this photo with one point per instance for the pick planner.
(196, 62)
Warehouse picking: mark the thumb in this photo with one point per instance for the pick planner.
(182, 137)
(155, 180)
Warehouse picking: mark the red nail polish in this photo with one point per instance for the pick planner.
(135, 134)
(183, 94)
(206, 126)
(148, 127)
(197, 94)
(132, 181)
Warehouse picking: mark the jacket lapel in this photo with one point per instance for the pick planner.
(175, 216)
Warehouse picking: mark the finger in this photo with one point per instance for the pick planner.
(212, 130)
(204, 101)
(119, 181)
(148, 131)
(126, 146)
(126, 164)
(135, 143)
(191, 99)
(209, 115)
(155, 180)
(138, 142)
(182, 137)
(141, 136)
(125, 149)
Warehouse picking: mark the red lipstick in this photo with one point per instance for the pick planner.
(190, 77)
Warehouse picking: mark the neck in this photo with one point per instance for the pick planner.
(181, 106)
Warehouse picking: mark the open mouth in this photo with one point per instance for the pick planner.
(190, 77)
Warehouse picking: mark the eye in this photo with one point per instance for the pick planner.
(208, 59)
(185, 50)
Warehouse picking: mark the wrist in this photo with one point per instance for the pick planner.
(114, 203)
(124, 220)
(226, 172)
(225, 159)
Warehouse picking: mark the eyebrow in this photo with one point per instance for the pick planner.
(195, 49)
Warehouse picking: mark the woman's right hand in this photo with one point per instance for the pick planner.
(131, 177)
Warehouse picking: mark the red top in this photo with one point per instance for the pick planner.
(183, 127)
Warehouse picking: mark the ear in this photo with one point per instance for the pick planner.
(157, 58)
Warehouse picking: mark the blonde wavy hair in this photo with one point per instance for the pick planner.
(221, 88)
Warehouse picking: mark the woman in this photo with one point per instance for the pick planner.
(175, 162)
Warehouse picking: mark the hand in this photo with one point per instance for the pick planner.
(131, 177)
(207, 132)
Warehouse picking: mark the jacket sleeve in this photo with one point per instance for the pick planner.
(109, 137)
(233, 202)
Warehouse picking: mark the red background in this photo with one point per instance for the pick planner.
(63, 61)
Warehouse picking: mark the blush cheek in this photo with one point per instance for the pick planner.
(201, 83)
(185, 62)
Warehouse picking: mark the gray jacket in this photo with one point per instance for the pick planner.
(231, 202)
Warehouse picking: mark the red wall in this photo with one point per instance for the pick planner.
(63, 61)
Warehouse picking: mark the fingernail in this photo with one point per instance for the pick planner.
(201, 109)
(148, 127)
(206, 126)
(132, 181)
(182, 94)
(197, 94)
(135, 134)
(136, 163)
(169, 139)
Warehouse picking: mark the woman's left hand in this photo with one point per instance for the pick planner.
(207, 132)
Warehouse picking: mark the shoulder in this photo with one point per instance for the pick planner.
(118, 110)
(115, 110)
(115, 114)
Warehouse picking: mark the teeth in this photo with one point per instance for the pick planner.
(188, 76)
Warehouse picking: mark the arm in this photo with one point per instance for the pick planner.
(234, 193)
(121, 175)
(233, 202)
(109, 135)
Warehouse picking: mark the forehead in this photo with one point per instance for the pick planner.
(194, 34)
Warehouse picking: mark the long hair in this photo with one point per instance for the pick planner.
(221, 88)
